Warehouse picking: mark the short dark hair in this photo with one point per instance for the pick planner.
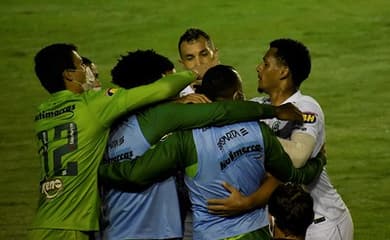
(140, 68)
(192, 34)
(220, 81)
(292, 208)
(51, 62)
(296, 56)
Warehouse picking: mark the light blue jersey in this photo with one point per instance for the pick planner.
(151, 214)
(234, 154)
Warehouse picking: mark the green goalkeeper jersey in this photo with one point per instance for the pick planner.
(72, 130)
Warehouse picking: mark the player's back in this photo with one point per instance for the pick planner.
(150, 214)
(234, 154)
(69, 138)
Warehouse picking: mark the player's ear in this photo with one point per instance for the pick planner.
(67, 75)
(284, 72)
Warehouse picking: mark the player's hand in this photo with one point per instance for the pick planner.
(233, 205)
(193, 98)
(289, 112)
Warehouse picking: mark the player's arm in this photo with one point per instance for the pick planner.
(299, 147)
(236, 203)
(279, 164)
(174, 116)
(302, 142)
(113, 103)
(158, 163)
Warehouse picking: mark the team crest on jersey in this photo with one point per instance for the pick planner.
(275, 126)
(309, 117)
(52, 187)
(111, 91)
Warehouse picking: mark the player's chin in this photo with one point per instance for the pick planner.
(259, 87)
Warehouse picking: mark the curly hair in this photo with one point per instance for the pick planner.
(140, 67)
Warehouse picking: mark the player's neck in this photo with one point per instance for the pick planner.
(279, 96)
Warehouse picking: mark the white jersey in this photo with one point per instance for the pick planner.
(327, 202)
(186, 91)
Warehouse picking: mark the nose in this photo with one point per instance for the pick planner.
(197, 61)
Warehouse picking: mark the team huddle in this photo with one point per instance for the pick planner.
(182, 155)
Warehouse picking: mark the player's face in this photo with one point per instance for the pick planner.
(95, 72)
(269, 72)
(78, 73)
(197, 52)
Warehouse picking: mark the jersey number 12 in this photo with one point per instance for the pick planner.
(56, 157)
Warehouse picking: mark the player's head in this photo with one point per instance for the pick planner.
(57, 65)
(285, 59)
(140, 68)
(93, 68)
(222, 82)
(291, 208)
(195, 48)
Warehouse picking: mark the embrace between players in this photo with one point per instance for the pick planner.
(152, 144)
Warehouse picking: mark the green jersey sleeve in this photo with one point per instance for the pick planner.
(175, 116)
(159, 162)
(109, 104)
(279, 164)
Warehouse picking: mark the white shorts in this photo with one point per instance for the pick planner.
(342, 229)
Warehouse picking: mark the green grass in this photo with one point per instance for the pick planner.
(349, 41)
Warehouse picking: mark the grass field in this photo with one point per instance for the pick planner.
(348, 39)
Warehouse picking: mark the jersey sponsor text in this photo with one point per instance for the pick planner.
(236, 154)
(50, 114)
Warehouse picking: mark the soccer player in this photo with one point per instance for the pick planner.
(239, 154)
(196, 48)
(72, 128)
(291, 210)
(285, 66)
(154, 213)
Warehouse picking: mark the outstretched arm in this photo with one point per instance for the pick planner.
(176, 116)
(110, 104)
(158, 163)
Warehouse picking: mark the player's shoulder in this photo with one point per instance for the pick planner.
(307, 103)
